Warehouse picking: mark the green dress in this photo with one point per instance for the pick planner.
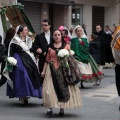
(88, 66)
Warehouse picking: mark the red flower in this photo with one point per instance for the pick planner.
(81, 43)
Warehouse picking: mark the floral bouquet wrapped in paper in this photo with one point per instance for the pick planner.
(10, 63)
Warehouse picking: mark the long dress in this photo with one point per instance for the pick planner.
(25, 76)
(56, 93)
(86, 63)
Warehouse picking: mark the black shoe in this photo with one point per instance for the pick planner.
(26, 102)
(61, 113)
(42, 104)
(82, 87)
(49, 113)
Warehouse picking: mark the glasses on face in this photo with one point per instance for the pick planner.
(97, 28)
(45, 25)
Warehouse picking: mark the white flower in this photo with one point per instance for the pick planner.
(72, 52)
(63, 53)
(12, 60)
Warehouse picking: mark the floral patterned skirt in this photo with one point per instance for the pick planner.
(90, 72)
(50, 99)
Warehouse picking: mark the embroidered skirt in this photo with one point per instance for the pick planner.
(50, 99)
(90, 72)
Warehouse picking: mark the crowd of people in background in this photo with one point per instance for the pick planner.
(40, 71)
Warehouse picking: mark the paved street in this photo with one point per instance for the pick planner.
(99, 103)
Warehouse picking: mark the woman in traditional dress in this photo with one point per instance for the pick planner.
(86, 63)
(25, 76)
(56, 92)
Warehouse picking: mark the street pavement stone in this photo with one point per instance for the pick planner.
(99, 103)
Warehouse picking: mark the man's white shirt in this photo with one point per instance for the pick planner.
(47, 36)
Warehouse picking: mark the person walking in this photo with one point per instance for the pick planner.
(86, 63)
(24, 79)
(41, 43)
(57, 93)
(105, 50)
(94, 50)
(9, 35)
(116, 47)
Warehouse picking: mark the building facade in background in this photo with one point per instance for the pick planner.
(70, 12)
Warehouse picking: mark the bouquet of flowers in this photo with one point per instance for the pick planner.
(62, 55)
(10, 63)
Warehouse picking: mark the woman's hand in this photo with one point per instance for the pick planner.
(43, 74)
(39, 51)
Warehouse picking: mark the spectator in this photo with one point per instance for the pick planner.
(105, 50)
(94, 49)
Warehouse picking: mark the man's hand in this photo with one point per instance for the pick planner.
(39, 51)
(44, 53)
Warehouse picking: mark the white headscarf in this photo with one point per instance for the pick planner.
(74, 33)
(24, 45)
(68, 32)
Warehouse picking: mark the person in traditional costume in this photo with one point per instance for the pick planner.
(24, 79)
(87, 65)
(58, 91)
(61, 28)
(116, 47)
(9, 35)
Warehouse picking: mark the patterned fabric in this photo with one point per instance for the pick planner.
(90, 72)
(60, 86)
(86, 63)
(116, 39)
(50, 99)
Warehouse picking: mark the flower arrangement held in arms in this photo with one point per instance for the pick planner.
(69, 67)
(10, 63)
(62, 55)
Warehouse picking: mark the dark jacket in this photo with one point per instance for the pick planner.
(41, 42)
(105, 49)
(2, 52)
(94, 49)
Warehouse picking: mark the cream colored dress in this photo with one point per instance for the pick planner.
(49, 95)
